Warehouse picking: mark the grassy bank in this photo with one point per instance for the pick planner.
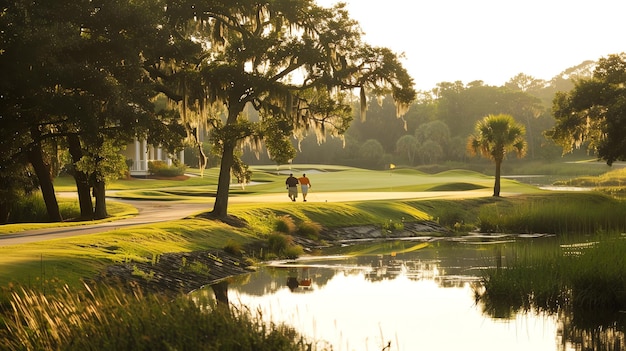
(33, 212)
(51, 263)
(69, 261)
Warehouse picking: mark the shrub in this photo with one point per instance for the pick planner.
(233, 248)
(162, 169)
(392, 226)
(310, 230)
(285, 224)
(279, 242)
(293, 251)
(31, 208)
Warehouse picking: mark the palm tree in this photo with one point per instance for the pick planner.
(494, 136)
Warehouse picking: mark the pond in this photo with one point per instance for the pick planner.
(418, 300)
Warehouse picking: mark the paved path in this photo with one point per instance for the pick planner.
(161, 211)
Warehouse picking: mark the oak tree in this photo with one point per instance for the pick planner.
(593, 113)
(291, 60)
(75, 80)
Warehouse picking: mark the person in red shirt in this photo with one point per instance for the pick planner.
(305, 184)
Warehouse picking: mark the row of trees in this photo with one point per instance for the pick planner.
(83, 76)
(437, 126)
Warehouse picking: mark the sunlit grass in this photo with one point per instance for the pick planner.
(105, 318)
(324, 178)
(67, 183)
(562, 168)
(559, 213)
(21, 264)
(71, 260)
(330, 214)
(612, 182)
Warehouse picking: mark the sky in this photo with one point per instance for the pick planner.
(491, 40)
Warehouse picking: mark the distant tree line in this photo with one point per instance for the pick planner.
(436, 127)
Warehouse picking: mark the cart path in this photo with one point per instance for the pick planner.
(161, 211)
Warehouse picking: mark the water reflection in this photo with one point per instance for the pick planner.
(422, 300)
(299, 281)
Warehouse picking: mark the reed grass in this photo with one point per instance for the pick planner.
(587, 276)
(103, 318)
(569, 213)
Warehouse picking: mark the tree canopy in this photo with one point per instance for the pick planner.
(75, 80)
(295, 62)
(593, 113)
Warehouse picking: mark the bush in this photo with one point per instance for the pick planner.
(293, 251)
(31, 208)
(285, 224)
(310, 230)
(279, 242)
(233, 248)
(162, 169)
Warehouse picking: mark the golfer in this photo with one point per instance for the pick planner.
(292, 186)
(305, 184)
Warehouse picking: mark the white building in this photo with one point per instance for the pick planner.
(140, 153)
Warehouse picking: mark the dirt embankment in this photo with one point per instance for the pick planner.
(183, 272)
(177, 272)
(375, 232)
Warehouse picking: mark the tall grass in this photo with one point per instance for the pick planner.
(557, 214)
(588, 276)
(616, 177)
(110, 319)
(31, 208)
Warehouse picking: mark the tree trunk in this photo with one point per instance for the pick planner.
(202, 159)
(99, 192)
(496, 186)
(220, 209)
(42, 170)
(83, 187)
(5, 212)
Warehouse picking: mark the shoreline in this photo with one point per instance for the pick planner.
(184, 272)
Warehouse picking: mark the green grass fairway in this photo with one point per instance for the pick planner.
(325, 179)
